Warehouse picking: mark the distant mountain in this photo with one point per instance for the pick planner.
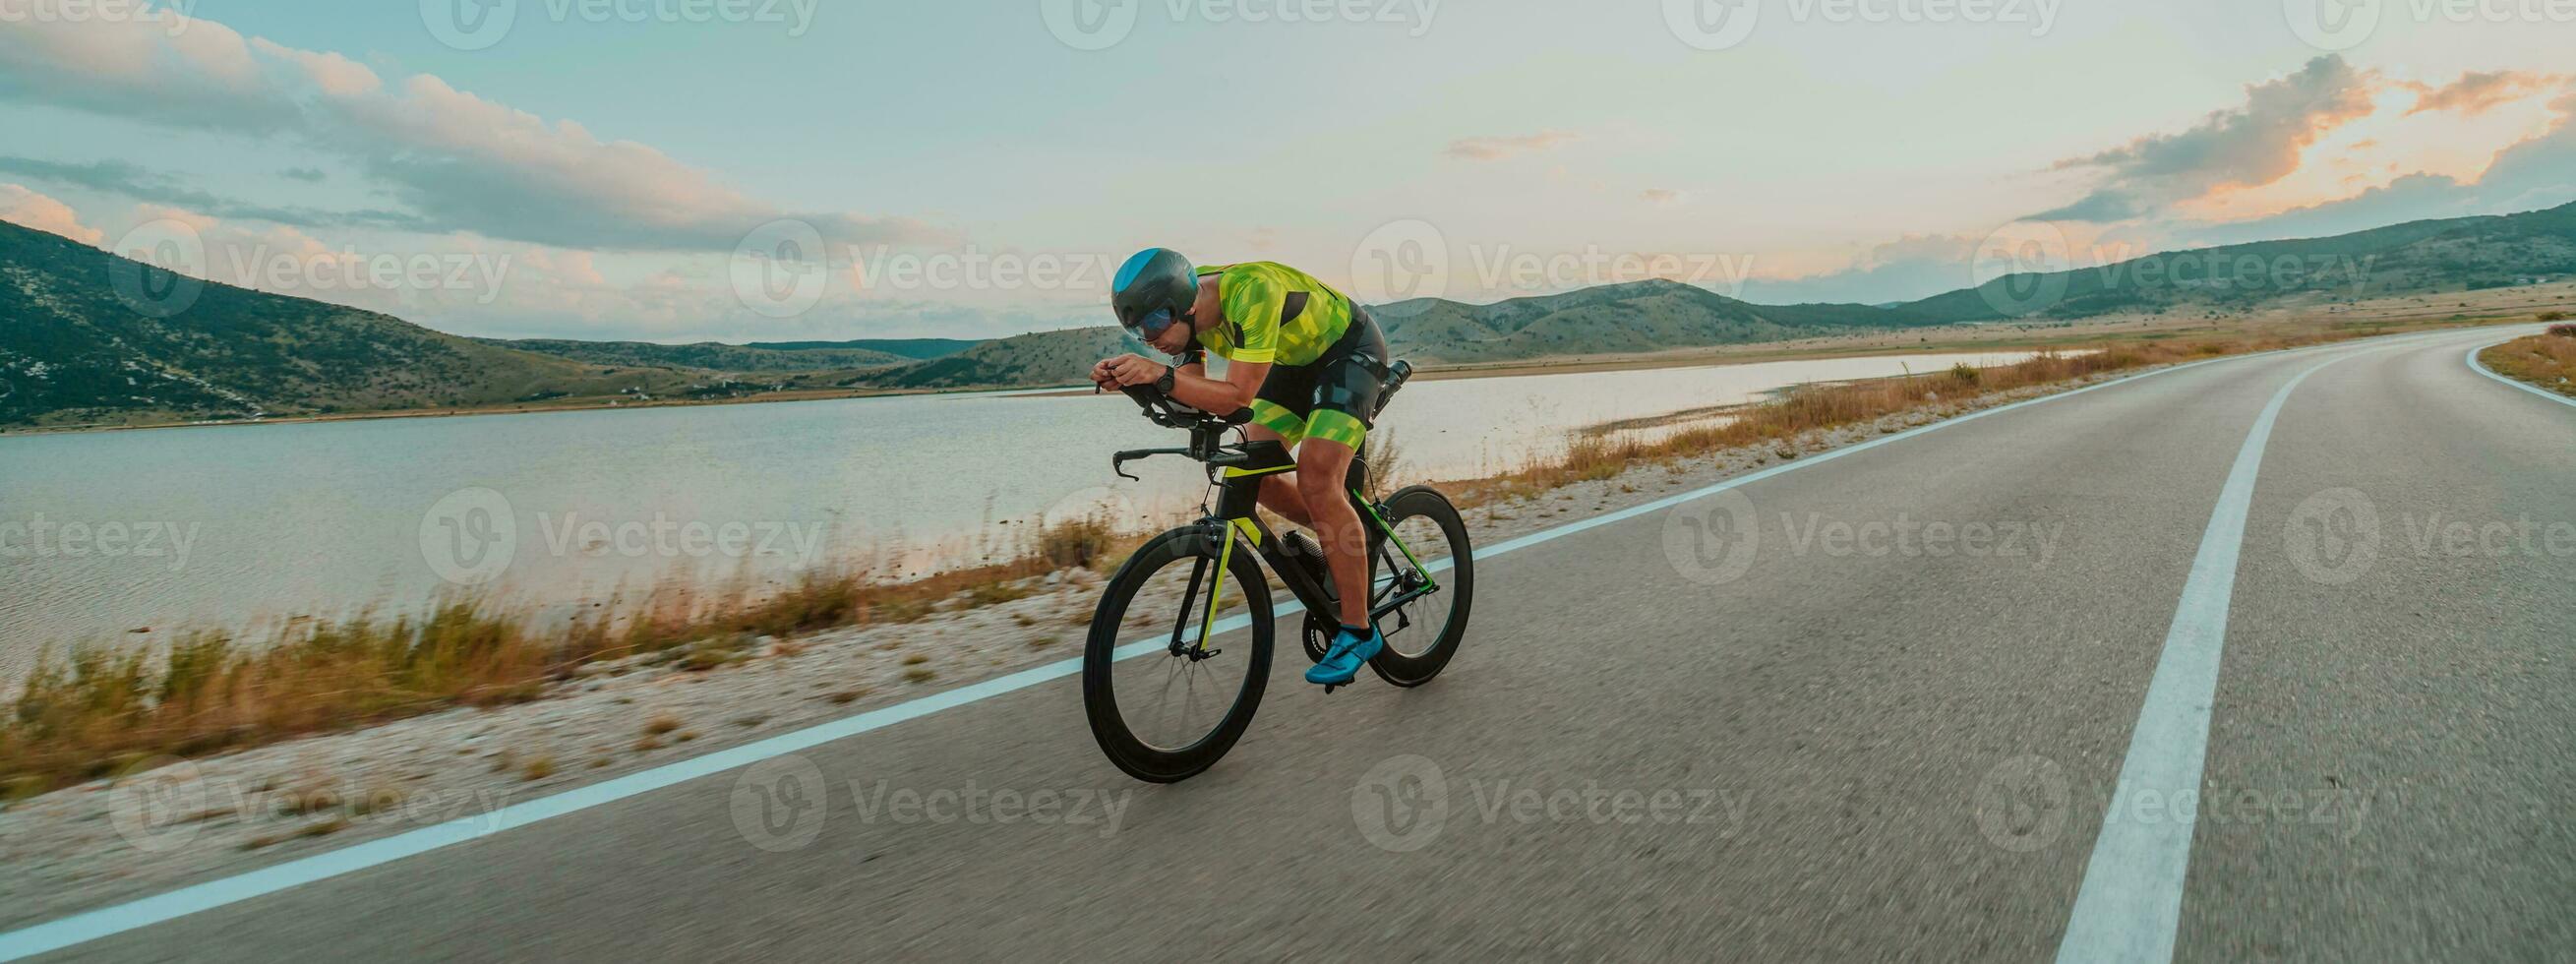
(2418, 256)
(1637, 316)
(705, 355)
(1032, 360)
(73, 352)
(917, 349)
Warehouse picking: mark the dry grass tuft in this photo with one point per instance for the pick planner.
(2548, 361)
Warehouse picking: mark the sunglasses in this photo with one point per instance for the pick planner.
(1153, 325)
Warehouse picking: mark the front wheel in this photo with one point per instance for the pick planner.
(1170, 702)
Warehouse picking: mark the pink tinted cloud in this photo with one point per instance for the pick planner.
(1497, 148)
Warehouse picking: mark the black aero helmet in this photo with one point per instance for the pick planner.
(1154, 287)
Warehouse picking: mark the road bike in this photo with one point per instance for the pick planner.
(1166, 701)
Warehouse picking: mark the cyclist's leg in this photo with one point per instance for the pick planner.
(1279, 494)
(1346, 388)
(1279, 414)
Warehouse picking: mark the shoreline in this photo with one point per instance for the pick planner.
(2023, 335)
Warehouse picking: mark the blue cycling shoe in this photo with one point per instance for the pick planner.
(1341, 663)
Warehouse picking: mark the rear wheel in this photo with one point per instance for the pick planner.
(1166, 705)
(1424, 629)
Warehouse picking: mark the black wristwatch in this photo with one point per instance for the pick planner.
(1164, 384)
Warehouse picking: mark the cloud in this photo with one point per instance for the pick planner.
(26, 208)
(141, 184)
(2252, 145)
(1659, 195)
(2539, 172)
(308, 175)
(2475, 93)
(1497, 148)
(462, 163)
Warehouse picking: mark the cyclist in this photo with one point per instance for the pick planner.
(1308, 362)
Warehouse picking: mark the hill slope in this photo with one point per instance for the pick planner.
(2417, 256)
(915, 349)
(705, 355)
(1633, 317)
(73, 352)
(1023, 361)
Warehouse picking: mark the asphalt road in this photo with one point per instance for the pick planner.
(1887, 725)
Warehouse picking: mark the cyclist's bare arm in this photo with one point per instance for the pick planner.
(1191, 385)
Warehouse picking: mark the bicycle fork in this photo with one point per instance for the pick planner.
(1216, 593)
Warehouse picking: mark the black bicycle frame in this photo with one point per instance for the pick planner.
(1237, 473)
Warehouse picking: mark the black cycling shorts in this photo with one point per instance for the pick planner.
(1334, 397)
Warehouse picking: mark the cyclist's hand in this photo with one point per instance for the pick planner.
(1100, 375)
(1126, 370)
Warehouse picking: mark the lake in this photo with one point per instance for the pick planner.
(103, 533)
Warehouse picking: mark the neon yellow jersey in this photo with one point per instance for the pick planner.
(1274, 313)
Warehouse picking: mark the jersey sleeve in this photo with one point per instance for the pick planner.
(1253, 303)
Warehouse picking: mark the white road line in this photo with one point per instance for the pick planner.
(2480, 367)
(92, 925)
(2131, 899)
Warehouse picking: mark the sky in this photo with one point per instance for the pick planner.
(748, 170)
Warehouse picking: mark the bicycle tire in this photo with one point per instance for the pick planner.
(1133, 755)
(1458, 584)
